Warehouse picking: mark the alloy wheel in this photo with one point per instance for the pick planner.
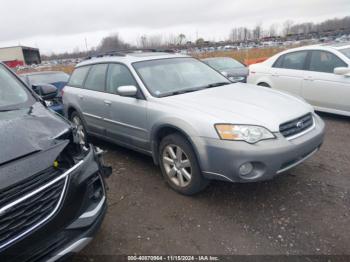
(177, 165)
(81, 135)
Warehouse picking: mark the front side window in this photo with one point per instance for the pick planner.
(295, 60)
(325, 62)
(78, 76)
(173, 76)
(345, 51)
(96, 78)
(118, 75)
(278, 63)
(13, 94)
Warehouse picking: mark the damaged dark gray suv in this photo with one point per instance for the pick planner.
(52, 191)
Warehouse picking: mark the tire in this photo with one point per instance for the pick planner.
(76, 119)
(182, 173)
(264, 84)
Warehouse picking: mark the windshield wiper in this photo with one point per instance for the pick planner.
(183, 91)
(217, 84)
(9, 109)
(179, 92)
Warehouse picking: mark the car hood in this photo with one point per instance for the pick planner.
(28, 131)
(242, 104)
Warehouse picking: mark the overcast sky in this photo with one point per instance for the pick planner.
(63, 25)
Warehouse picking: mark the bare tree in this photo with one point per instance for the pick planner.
(151, 41)
(182, 38)
(287, 26)
(273, 30)
(112, 43)
(257, 32)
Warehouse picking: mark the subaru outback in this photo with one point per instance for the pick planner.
(192, 120)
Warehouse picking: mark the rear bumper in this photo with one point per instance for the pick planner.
(222, 159)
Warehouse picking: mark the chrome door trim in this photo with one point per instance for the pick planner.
(125, 125)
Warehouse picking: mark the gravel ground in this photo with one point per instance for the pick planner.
(303, 212)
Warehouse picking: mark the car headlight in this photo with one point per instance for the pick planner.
(248, 133)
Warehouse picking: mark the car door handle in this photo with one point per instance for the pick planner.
(107, 103)
(275, 75)
(81, 97)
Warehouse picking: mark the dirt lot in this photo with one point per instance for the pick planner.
(303, 212)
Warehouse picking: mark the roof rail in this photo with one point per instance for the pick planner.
(111, 53)
(152, 50)
(124, 52)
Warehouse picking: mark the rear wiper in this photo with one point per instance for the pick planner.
(217, 84)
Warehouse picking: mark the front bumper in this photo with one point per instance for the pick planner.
(75, 222)
(221, 160)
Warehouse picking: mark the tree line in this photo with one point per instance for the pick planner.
(237, 34)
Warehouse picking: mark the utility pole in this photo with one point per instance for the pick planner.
(86, 45)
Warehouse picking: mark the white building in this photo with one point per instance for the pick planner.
(20, 55)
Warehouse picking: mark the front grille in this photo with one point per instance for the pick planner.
(296, 126)
(16, 191)
(27, 205)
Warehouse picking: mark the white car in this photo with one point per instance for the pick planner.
(319, 74)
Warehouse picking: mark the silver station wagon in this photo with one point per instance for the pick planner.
(192, 120)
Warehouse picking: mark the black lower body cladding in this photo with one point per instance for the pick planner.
(77, 212)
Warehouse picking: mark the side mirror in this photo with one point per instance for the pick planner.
(46, 91)
(344, 71)
(128, 91)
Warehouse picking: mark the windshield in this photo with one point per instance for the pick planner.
(48, 78)
(346, 52)
(13, 95)
(172, 76)
(224, 63)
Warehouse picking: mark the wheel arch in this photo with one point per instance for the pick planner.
(263, 83)
(161, 131)
(71, 109)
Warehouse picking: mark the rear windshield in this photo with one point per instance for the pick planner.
(13, 94)
(224, 63)
(48, 78)
(346, 52)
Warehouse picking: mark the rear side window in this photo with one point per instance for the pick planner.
(78, 76)
(278, 63)
(119, 75)
(97, 78)
(295, 60)
(325, 62)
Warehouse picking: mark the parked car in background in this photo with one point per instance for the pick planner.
(192, 120)
(52, 192)
(234, 70)
(57, 79)
(320, 74)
